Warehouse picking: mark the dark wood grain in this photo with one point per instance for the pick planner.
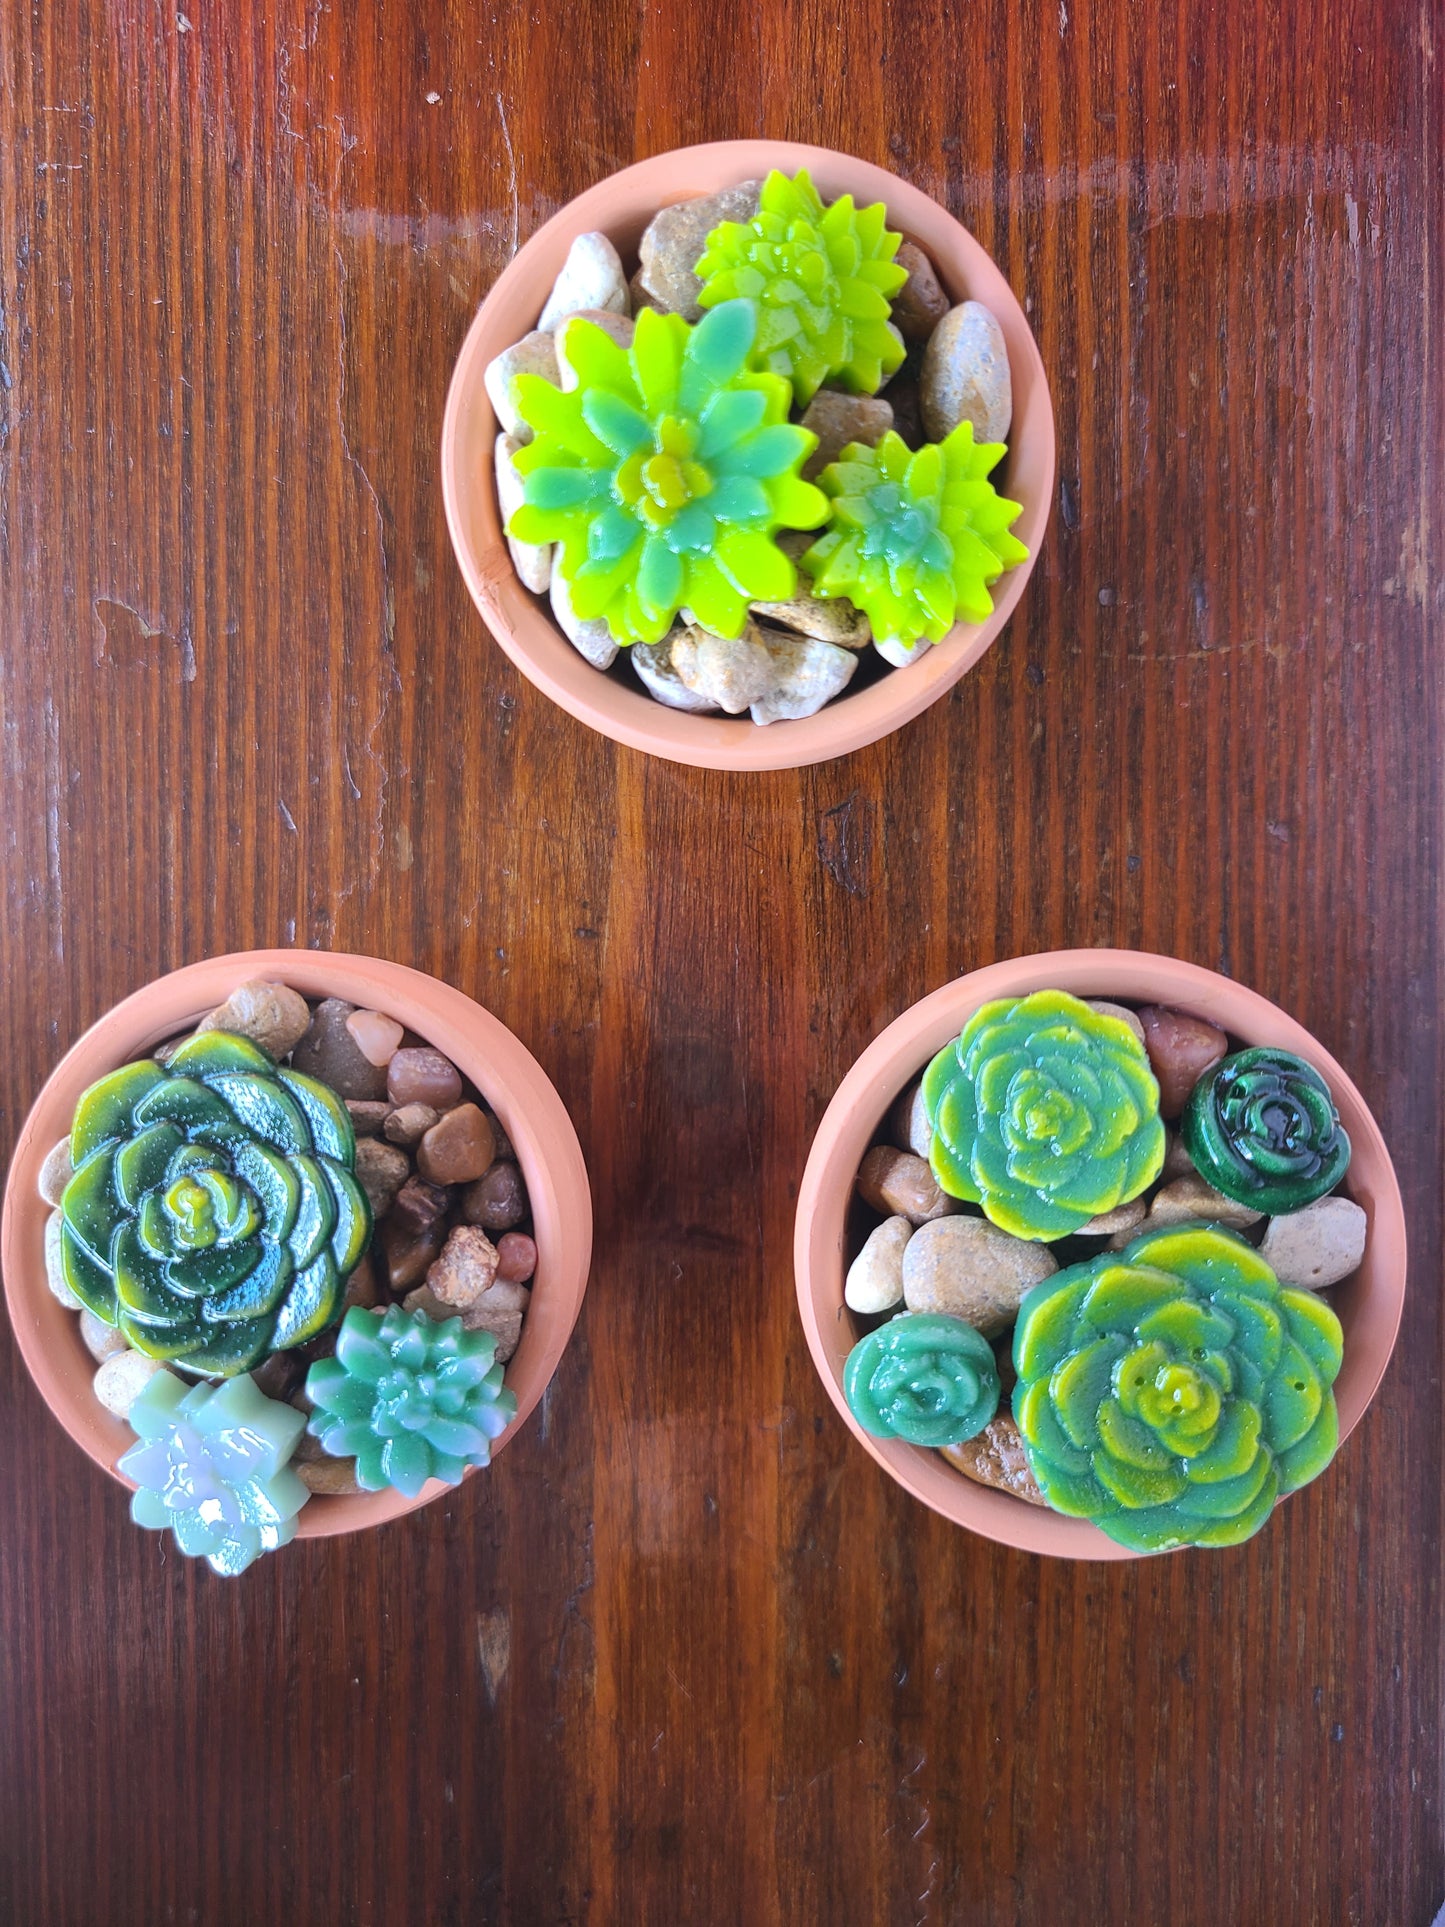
(686, 1655)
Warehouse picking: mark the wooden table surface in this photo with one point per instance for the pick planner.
(685, 1655)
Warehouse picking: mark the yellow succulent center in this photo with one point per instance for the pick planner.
(191, 1207)
(658, 483)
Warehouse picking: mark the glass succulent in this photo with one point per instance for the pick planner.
(665, 473)
(1262, 1128)
(1173, 1391)
(213, 1215)
(916, 538)
(923, 1377)
(1045, 1112)
(409, 1398)
(212, 1465)
(821, 277)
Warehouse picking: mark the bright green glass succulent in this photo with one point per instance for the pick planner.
(409, 1398)
(212, 1465)
(1173, 1391)
(213, 1215)
(665, 473)
(822, 278)
(1262, 1127)
(924, 1377)
(1045, 1112)
(916, 539)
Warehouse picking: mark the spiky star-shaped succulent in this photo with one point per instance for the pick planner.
(916, 539)
(822, 278)
(665, 473)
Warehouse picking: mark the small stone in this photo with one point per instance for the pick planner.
(499, 1136)
(1181, 1049)
(368, 1114)
(328, 1478)
(516, 1258)
(425, 1299)
(534, 354)
(272, 1015)
(969, 1268)
(409, 1123)
(901, 1185)
(653, 663)
(420, 1206)
(500, 1312)
(466, 1268)
(279, 1376)
(329, 1051)
(591, 277)
(675, 238)
(376, 1036)
(966, 377)
(1186, 1198)
(1177, 1161)
(920, 304)
(408, 1253)
(730, 672)
(1317, 1247)
(908, 1121)
(1123, 1220)
(995, 1456)
(362, 1287)
(421, 1075)
(497, 1201)
(808, 673)
(54, 1264)
(900, 654)
(121, 1380)
(617, 327)
(531, 560)
(381, 1171)
(56, 1172)
(638, 295)
(875, 1277)
(829, 618)
(838, 419)
(903, 397)
(457, 1148)
(102, 1341)
(590, 639)
(1121, 1011)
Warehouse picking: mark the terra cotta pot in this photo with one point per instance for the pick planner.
(621, 207)
(484, 1050)
(1368, 1304)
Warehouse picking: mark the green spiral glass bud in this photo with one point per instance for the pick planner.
(923, 1377)
(1263, 1129)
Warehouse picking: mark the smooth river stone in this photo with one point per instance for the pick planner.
(875, 1277)
(496, 1201)
(421, 1075)
(531, 560)
(534, 354)
(920, 304)
(457, 1148)
(972, 1270)
(330, 1052)
(1317, 1247)
(1181, 1049)
(674, 240)
(591, 277)
(272, 1015)
(965, 376)
(376, 1035)
(902, 1185)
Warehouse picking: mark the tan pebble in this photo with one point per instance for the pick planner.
(1317, 1247)
(367, 1114)
(421, 1075)
(328, 1478)
(908, 1121)
(673, 242)
(376, 1036)
(965, 376)
(899, 1184)
(381, 1171)
(55, 1265)
(1188, 1198)
(1122, 1220)
(1121, 1011)
(920, 304)
(995, 1456)
(807, 674)
(875, 1277)
(839, 420)
(830, 618)
(534, 354)
(272, 1015)
(653, 666)
(498, 1201)
(465, 1269)
(590, 638)
(102, 1341)
(969, 1268)
(500, 1311)
(56, 1172)
(1177, 1161)
(732, 672)
(457, 1148)
(409, 1123)
(121, 1380)
(1181, 1049)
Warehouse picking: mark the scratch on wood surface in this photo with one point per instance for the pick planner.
(511, 168)
(494, 1649)
(845, 842)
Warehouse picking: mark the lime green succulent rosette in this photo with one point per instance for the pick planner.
(214, 1214)
(822, 279)
(1173, 1391)
(924, 1377)
(665, 474)
(916, 540)
(1046, 1113)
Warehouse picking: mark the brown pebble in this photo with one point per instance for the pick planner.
(329, 1051)
(920, 304)
(327, 1477)
(457, 1148)
(368, 1114)
(423, 1077)
(1181, 1049)
(420, 1205)
(279, 1375)
(410, 1123)
(1124, 1217)
(465, 1269)
(363, 1287)
(499, 1311)
(516, 1258)
(904, 398)
(498, 1200)
(995, 1456)
(376, 1035)
(381, 1171)
(900, 1184)
(408, 1250)
(500, 1138)
(1177, 1161)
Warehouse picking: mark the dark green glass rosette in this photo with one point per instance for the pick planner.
(1172, 1391)
(1262, 1128)
(924, 1377)
(213, 1215)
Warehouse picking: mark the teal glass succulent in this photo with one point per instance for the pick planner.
(1262, 1127)
(1172, 1391)
(1045, 1112)
(821, 277)
(924, 1377)
(409, 1398)
(916, 538)
(212, 1465)
(214, 1214)
(665, 473)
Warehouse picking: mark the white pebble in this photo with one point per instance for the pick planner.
(653, 663)
(590, 639)
(534, 354)
(808, 673)
(875, 1277)
(901, 654)
(54, 1266)
(121, 1380)
(591, 277)
(1319, 1246)
(102, 1341)
(732, 672)
(532, 560)
(56, 1171)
